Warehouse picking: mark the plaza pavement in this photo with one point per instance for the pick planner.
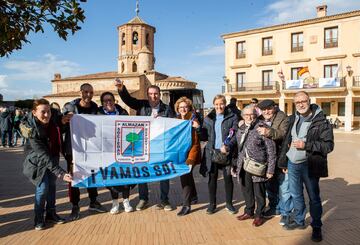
(340, 196)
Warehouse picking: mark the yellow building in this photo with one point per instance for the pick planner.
(264, 63)
(136, 63)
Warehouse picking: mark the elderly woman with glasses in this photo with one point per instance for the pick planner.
(252, 145)
(184, 109)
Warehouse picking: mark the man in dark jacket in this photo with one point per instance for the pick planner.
(154, 107)
(277, 188)
(233, 107)
(83, 105)
(6, 127)
(304, 151)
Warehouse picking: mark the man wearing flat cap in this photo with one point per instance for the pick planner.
(277, 187)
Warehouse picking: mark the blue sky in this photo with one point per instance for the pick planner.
(187, 40)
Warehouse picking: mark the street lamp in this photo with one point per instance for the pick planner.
(348, 69)
(226, 80)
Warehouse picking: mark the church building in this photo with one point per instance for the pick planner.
(136, 67)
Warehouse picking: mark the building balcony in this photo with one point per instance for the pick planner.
(331, 43)
(315, 85)
(297, 47)
(267, 51)
(251, 87)
(356, 81)
(241, 55)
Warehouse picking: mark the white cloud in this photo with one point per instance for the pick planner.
(3, 82)
(211, 51)
(23, 79)
(17, 94)
(41, 70)
(283, 11)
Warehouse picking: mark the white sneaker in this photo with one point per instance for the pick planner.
(127, 206)
(115, 207)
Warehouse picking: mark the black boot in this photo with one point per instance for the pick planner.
(184, 211)
(316, 234)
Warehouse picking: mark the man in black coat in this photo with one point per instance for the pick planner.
(83, 105)
(304, 151)
(6, 126)
(154, 107)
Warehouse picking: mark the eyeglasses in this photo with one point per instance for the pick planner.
(248, 115)
(301, 102)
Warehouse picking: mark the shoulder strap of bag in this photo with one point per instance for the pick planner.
(243, 138)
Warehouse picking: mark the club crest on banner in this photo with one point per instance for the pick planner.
(132, 143)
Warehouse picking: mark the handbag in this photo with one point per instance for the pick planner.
(218, 157)
(253, 167)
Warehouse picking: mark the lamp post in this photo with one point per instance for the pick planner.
(348, 69)
(226, 81)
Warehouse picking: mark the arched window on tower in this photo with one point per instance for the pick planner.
(122, 67)
(135, 37)
(147, 40)
(123, 39)
(134, 67)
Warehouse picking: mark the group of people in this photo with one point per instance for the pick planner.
(9, 127)
(272, 155)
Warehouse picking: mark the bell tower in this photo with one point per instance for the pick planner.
(136, 46)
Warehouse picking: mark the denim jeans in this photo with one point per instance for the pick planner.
(164, 191)
(298, 176)
(17, 134)
(4, 135)
(45, 192)
(278, 192)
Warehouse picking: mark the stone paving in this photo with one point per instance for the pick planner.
(340, 196)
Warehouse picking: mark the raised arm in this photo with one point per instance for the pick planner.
(130, 101)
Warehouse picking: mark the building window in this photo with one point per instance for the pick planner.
(330, 71)
(267, 79)
(331, 37)
(294, 73)
(357, 109)
(123, 39)
(267, 46)
(147, 39)
(240, 79)
(341, 109)
(240, 50)
(135, 37)
(297, 42)
(326, 107)
(122, 67)
(134, 67)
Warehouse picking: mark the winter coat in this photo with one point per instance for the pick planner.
(73, 108)
(259, 148)
(194, 154)
(319, 143)
(45, 145)
(230, 121)
(235, 110)
(143, 107)
(278, 129)
(6, 121)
